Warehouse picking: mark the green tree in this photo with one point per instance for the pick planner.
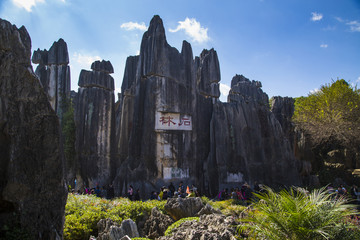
(331, 116)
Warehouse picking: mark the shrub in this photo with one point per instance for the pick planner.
(83, 212)
(230, 207)
(298, 215)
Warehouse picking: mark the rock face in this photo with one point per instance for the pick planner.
(179, 208)
(109, 230)
(156, 224)
(54, 74)
(32, 186)
(214, 226)
(95, 125)
(248, 143)
(166, 106)
(283, 109)
(171, 125)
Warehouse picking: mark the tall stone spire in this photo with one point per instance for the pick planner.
(54, 74)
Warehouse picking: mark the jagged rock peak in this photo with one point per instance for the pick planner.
(58, 53)
(244, 89)
(243, 80)
(156, 27)
(16, 40)
(32, 183)
(99, 77)
(282, 105)
(186, 50)
(40, 56)
(103, 66)
(210, 66)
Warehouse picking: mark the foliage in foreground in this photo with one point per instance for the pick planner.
(83, 212)
(298, 215)
(178, 223)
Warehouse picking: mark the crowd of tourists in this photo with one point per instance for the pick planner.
(341, 191)
(243, 193)
(166, 192)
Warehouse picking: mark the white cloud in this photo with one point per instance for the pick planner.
(316, 16)
(193, 29)
(85, 60)
(354, 26)
(339, 19)
(27, 4)
(324, 45)
(358, 80)
(224, 90)
(314, 91)
(134, 26)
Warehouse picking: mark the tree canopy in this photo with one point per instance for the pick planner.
(331, 114)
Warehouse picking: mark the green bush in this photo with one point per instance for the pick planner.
(178, 223)
(83, 212)
(230, 207)
(299, 215)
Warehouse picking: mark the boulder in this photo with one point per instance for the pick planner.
(213, 227)
(109, 230)
(208, 209)
(179, 208)
(156, 224)
(32, 185)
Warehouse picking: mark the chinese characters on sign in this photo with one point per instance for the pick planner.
(172, 121)
(171, 172)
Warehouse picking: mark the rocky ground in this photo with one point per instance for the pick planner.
(210, 224)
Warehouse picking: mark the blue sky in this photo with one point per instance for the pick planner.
(291, 46)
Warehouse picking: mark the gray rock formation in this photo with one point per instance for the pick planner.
(283, 109)
(208, 209)
(179, 208)
(32, 186)
(210, 227)
(248, 143)
(54, 74)
(156, 224)
(165, 108)
(171, 125)
(95, 125)
(109, 230)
